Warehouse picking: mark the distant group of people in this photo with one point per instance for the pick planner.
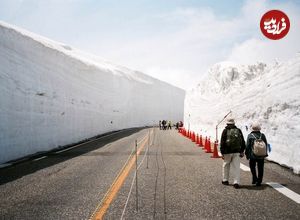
(167, 124)
(233, 147)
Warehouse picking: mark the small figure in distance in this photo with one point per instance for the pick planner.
(164, 124)
(169, 125)
(177, 125)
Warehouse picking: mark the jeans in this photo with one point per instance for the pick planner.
(260, 167)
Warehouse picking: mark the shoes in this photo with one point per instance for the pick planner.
(254, 182)
(225, 183)
(236, 185)
(258, 184)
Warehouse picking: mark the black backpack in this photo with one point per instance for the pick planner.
(234, 139)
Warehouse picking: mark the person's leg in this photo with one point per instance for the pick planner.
(252, 164)
(226, 167)
(236, 168)
(260, 165)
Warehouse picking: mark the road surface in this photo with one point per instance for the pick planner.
(176, 179)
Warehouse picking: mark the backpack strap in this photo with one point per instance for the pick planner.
(256, 137)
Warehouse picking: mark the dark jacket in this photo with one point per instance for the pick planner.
(250, 142)
(227, 149)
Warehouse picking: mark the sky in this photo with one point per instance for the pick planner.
(173, 40)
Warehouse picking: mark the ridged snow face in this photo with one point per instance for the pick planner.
(268, 94)
(223, 75)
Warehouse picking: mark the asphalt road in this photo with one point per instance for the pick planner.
(176, 180)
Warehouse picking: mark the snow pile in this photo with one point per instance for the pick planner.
(270, 95)
(52, 95)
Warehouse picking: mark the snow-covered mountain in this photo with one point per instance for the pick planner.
(52, 95)
(268, 94)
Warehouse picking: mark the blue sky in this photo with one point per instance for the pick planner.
(173, 40)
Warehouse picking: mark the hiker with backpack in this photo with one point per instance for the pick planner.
(232, 148)
(256, 151)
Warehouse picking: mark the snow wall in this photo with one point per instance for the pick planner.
(53, 95)
(269, 95)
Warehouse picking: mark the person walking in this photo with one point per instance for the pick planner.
(232, 148)
(256, 140)
(164, 126)
(169, 125)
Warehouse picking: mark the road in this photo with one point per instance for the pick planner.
(176, 180)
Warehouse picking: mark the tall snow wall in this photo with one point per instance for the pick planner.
(268, 94)
(53, 95)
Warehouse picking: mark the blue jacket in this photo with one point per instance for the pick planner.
(250, 142)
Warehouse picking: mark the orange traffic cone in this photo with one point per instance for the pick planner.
(215, 153)
(197, 139)
(208, 150)
(205, 144)
(194, 137)
(200, 141)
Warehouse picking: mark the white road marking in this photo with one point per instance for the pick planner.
(5, 165)
(57, 152)
(285, 191)
(280, 188)
(40, 158)
(244, 167)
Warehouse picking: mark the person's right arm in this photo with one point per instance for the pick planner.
(223, 142)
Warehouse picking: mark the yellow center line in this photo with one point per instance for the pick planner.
(115, 187)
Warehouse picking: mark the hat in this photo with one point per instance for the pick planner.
(230, 121)
(256, 126)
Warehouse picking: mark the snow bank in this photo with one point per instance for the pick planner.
(52, 95)
(270, 95)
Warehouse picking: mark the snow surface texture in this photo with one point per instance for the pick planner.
(53, 95)
(269, 95)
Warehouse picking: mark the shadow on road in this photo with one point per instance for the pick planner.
(254, 187)
(28, 166)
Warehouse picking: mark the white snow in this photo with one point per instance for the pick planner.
(52, 95)
(268, 94)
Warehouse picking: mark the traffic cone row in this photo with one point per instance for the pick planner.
(201, 142)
